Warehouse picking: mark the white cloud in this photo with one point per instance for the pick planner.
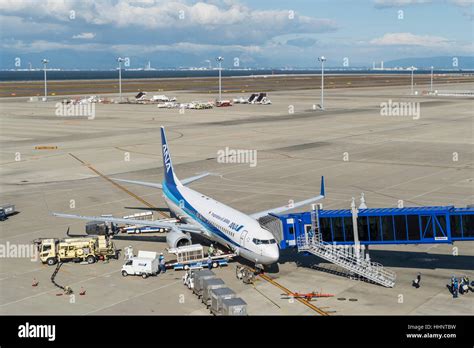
(408, 39)
(182, 47)
(161, 13)
(85, 36)
(206, 22)
(17, 26)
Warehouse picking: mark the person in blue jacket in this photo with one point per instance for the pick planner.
(454, 287)
(162, 263)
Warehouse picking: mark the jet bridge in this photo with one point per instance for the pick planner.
(337, 235)
(410, 225)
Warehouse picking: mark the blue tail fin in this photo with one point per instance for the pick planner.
(170, 177)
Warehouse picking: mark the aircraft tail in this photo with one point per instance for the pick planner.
(169, 176)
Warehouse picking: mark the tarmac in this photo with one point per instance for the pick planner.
(422, 161)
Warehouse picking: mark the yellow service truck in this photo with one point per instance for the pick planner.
(88, 249)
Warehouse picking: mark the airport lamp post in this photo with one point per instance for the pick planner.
(120, 60)
(45, 61)
(219, 61)
(322, 59)
(412, 70)
(431, 80)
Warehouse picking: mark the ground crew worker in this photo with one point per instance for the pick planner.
(466, 281)
(162, 263)
(455, 287)
(211, 250)
(416, 282)
(464, 285)
(209, 262)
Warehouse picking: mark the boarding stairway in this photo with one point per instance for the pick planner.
(347, 257)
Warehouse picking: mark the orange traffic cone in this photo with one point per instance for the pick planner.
(82, 292)
(35, 282)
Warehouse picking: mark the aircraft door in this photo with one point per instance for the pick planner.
(243, 235)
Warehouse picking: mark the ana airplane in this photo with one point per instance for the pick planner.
(199, 214)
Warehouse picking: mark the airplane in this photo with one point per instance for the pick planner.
(202, 215)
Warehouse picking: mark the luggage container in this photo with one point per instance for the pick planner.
(234, 306)
(198, 278)
(208, 285)
(217, 296)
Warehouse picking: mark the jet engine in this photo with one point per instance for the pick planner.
(177, 239)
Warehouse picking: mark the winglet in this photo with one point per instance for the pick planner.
(322, 187)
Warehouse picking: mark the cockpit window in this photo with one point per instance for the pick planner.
(263, 241)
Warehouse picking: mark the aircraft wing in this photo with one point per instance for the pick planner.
(292, 206)
(152, 184)
(155, 223)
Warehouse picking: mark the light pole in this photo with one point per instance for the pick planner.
(412, 70)
(431, 81)
(322, 59)
(45, 61)
(120, 60)
(219, 61)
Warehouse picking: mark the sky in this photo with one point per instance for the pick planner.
(265, 33)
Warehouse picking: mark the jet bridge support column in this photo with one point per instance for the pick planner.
(355, 212)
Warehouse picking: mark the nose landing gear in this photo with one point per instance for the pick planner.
(245, 274)
(259, 268)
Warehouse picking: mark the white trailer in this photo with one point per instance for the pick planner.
(192, 257)
(145, 264)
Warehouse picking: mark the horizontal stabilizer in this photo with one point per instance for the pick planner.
(194, 178)
(154, 223)
(151, 184)
(293, 205)
(142, 183)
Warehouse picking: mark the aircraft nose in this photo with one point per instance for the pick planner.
(273, 254)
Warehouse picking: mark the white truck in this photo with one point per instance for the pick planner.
(145, 264)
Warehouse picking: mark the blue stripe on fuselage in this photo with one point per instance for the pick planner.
(172, 193)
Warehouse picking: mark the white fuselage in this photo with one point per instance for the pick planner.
(223, 224)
